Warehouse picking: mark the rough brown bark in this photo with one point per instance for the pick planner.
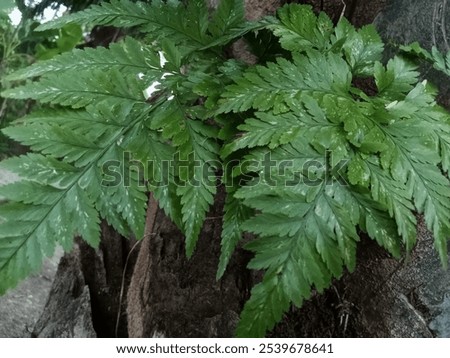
(173, 296)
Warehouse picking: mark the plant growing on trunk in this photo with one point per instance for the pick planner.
(307, 158)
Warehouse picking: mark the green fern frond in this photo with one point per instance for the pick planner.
(397, 79)
(303, 227)
(57, 217)
(81, 89)
(235, 214)
(128, 56)
(440, 61)
(423, 178)
(304, 111)
(196, 198)
(277, 85)
(118, 13)
(361, 48)
(285, 198)
(154, 157)
(299, 29)
(229, 15)
(186, 25)
(183, 24)
(61, 136)
(42, 169)
(431, 191)
(296, 260)
(392, 194)
(126, 199)
(319, 120)
(195, 146)
(268, 301)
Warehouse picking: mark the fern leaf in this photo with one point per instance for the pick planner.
(302, 226)
(54, 140)
(278, 84)
(305, 255)
(197, 185)
(32, 232)
(118, 13)
(229, 15)
(80, 90)
(441, 62)
(429, 187)
(185, 25)
(95, 122)
(196, 197)
(397, 79)
(266, 129)
(293, 217)
(20, 256)
(361, 48)
(235, 213)
(301, 30)
(128, 56)
(440, 121)
(197, 155)
(293, 264)
(154, 157)
(127, 197)
(40, 168)
(265, 307)
(286, 203)
(318, 120)
(125, 207)
(60, 135)
(388, 192)
(377, 223)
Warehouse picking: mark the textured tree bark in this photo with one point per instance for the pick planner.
(67, 313)
(88, 295)
(172, 296)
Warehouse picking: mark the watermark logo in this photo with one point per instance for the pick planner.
(192, 171)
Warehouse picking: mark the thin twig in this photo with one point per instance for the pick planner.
(214, 217)
(343, 10)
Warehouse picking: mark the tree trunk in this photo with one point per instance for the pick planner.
(173, 296)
